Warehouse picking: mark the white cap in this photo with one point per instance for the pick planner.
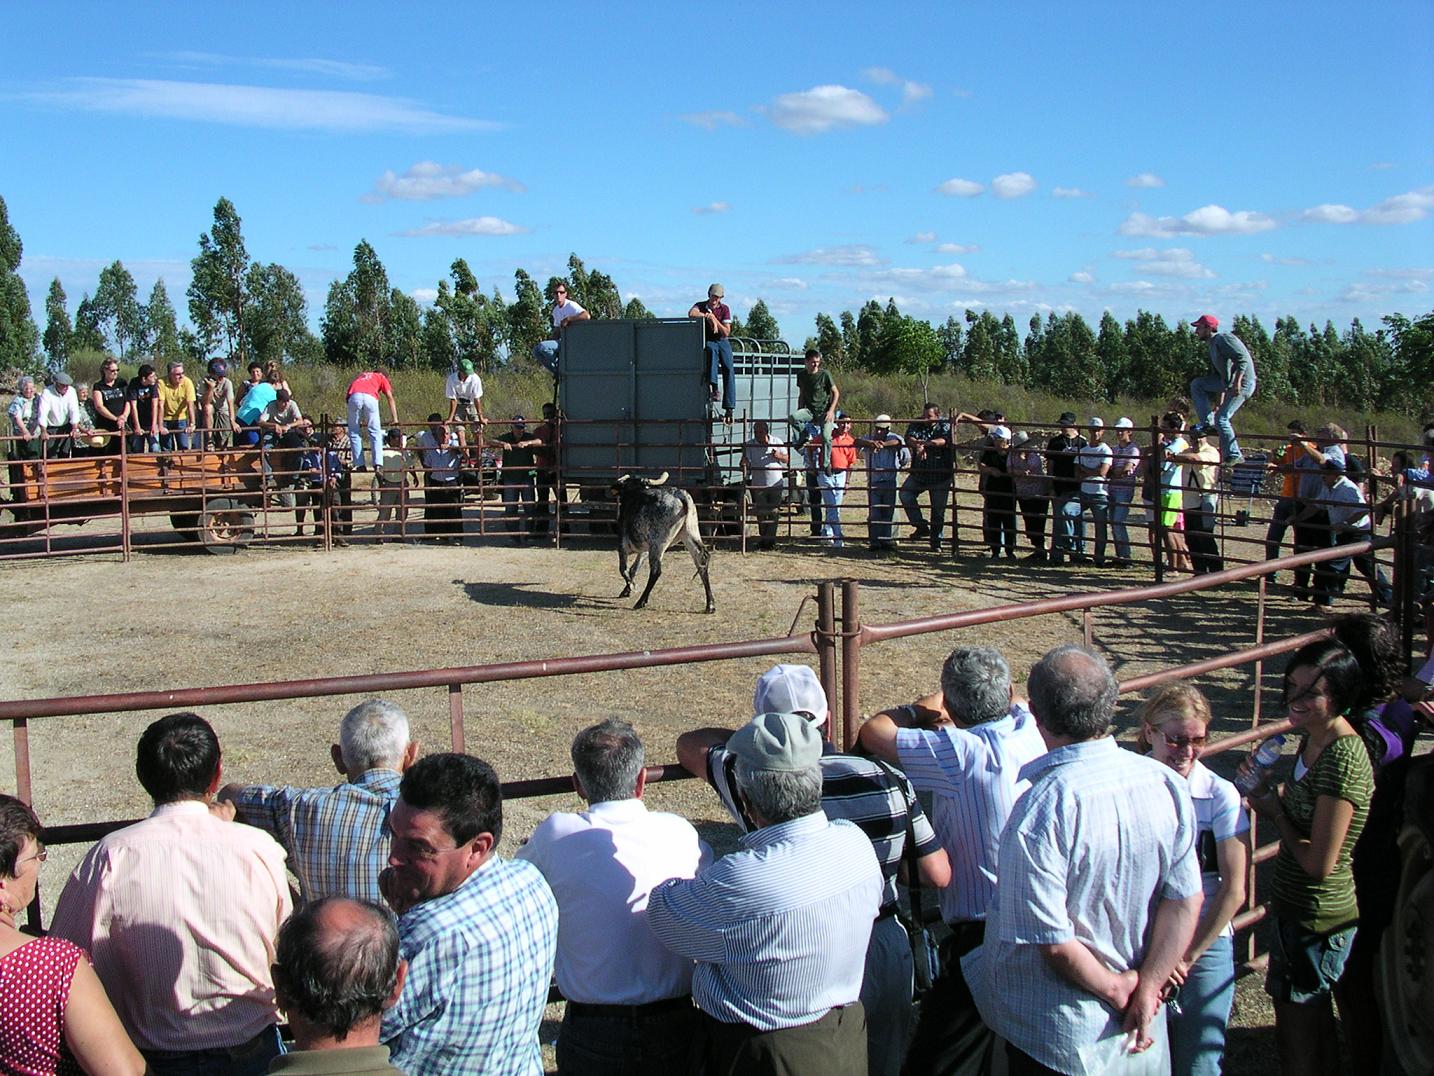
(790, 689)
(1001, 433)
(1124, 423)
(1096, 420)
(882, 420)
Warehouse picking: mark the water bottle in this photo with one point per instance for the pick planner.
(1267, 755)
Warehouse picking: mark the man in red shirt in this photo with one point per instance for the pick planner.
(831, 480)
(363, 394)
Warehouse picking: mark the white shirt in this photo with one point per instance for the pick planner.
(469, 388)
(442, 461)
(1093, 457)
(56, 410)
(601, 864)
(565, 309)
(1346, 507)
(1218, 817)
(764, 469)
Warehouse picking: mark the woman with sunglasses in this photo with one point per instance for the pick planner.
(57, 1016)
(1175, 724)
(1319, 815)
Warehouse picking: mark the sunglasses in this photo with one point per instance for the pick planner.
(1177, 742)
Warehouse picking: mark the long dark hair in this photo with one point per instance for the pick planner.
(1338, 669)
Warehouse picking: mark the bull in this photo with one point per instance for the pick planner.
(650, 520)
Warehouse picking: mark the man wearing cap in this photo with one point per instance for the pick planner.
(717, 326)
(998, 491)
(1349, 522)
(965, 744)
(464, 393)
(1027, 467)
(930, 443)
(519, 477)
(874, 797)
(1093, 465)
(777, 982)
(766, 461)
(1068, 527)
(59, 415)
(1122, 480)
(565, 312)
(1224, 390)
(886, 455)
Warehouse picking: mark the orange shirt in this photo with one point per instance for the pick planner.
(1290, 480)
(843, 452)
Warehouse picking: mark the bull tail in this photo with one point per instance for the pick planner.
(692, 533)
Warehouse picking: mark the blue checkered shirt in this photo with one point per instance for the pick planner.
(479, 963)
(1102, 836)
(779, 930)
(337, 838)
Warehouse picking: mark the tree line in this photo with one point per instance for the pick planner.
(252, 311)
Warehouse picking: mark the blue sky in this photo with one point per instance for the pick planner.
(1270, 158)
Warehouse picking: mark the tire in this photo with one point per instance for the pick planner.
(1405, 972)
(186, 525)
(226, 526)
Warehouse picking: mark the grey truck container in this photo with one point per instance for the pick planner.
(634, 397)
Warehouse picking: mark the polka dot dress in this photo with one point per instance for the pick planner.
(34, 987)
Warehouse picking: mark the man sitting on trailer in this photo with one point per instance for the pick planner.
(565, 312)
(817, 397)
(717, 320)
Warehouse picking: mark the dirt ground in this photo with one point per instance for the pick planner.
(177, 617)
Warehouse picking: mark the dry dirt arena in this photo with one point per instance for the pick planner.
(181, 618)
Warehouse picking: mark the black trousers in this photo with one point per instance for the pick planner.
(442, 510)
(1311, 533)
(950, 1037)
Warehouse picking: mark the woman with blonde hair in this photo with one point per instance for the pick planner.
(1175, 723)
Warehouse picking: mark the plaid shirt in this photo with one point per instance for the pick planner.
(479, 963)
(337, 838)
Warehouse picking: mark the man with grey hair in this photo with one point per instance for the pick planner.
(965, 744)
(336, 970)
(875, 798)
(629, 997)
(338, 838)
(1100, 886)
(777, 985)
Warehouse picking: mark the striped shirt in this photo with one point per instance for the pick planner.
(779, 929)
(1102, 836)
(880, 801)
(479, 963)
(337, 838)
(973, 774)
(180, 913)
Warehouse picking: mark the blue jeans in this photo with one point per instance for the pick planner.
(833, 487)
(882, 500)
(886, 996)
(1098, 505)
(1068, 531)
(175, 435)
(1197, 1033)
(719, 365)
(1203, 391)
(1119, 512)
(365, 429)
(142, 442)
(545, 353)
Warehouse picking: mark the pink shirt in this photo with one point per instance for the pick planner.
(180, 914)
(370, 383)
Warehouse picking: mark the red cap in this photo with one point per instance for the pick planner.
(1210, 321)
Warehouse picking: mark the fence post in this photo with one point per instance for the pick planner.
(126, 538)
(1157, 490)
(826, 641)
(455, 716)
(1405, 606)
(850, 661)
(1259, 641)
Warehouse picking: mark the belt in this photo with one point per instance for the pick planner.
(886, 913)
(652, 1008)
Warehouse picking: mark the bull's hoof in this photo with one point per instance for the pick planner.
(640, 604)
(710, 609)
(626, 592)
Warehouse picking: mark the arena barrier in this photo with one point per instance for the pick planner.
(837, 638)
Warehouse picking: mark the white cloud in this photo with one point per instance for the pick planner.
(1381, 166)
(823, 108)
(961, 188)
(711, 207)
(254, 106)
(1174, 261)
(936, 278)
(1145, 180)
(1402, 208)
(1274, 259)
(1082, 276)
(712, 119)
(1331, 214)
(1207, 220)
(427, 180)
(911, 91)
(1069, 192)
(423, 295)
(467, 227)
(851, 254)
(1412, 272)
(1368, 292)
(1013, 185)
(1137, 286)
(794, 283)
(923, 237)
(957, 248)
(354, 72)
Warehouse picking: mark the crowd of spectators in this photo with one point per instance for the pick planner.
(1087, 892)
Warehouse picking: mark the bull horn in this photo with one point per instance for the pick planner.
(621, 480)
(659, 480)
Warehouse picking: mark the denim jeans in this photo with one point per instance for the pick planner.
(142, 442)
(658, 1044)
(938, 486)
(1068, 532)
(1331, 575)
(1119, 512)
(882, 500)
(1203, 391)
(175, 435)
(886, 996)
(720, 371)
(1197, 1034)
(364, 420)
(833, 487)
(1098, 505)
(247, 1059)
(545, 353)
(519, 493)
